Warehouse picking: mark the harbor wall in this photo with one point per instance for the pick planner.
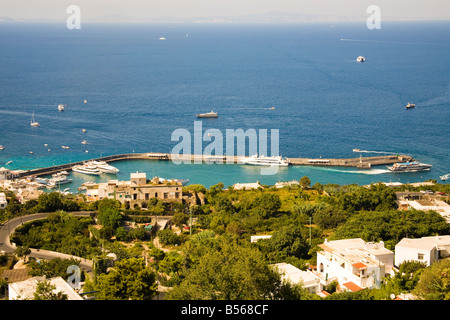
(361, 162)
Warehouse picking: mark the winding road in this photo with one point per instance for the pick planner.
(8, 228)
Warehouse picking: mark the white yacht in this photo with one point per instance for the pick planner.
(33, 122)
(413, 166)
(361, 59)
(445, 177)
(265, 161)
(2, 147)
(104, 167)
(86, 169)
(61, 107)
(60, 180)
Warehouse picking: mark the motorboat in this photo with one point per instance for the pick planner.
(445, 177)
(265, 161)
(104, 167)
(211, 114)
(61, 107)
(410, 105)
(86, 169)
(361, 59)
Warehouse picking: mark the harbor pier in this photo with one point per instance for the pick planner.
(361, 162)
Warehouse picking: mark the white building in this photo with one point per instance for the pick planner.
(426, 249)
(3, 202)
(353, 263)
(307, 279)
(24, 290)
(256, 238)
(247, 186)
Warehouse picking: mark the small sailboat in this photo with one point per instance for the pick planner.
(33, 122)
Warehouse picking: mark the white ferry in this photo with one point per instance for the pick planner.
(409, 167)
(211, 114)
(265, 161)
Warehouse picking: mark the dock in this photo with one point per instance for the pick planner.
(361, 162)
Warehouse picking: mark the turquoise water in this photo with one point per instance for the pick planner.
(140, 89)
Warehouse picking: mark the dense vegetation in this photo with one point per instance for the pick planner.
(206, 251)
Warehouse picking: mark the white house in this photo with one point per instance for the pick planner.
(426, 249)
(3, 202)
(353, 263)
(24, 290)
(247, 186)
(256, 238)
(307, 279)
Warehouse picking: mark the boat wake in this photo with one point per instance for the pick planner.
(382, 152)
(362, 171)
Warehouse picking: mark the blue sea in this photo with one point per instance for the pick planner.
(140, 88)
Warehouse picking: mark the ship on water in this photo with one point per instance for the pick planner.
(211, 114)
(410, 105)
(361, 59)
(413, 166)
(265, 161)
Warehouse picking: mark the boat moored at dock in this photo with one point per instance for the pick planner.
(265, 161)
(103, 167)
(86, 169)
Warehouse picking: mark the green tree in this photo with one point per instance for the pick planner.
(45, 291)
(129, 279)
(267, 205)
(305, 182)
(108, 213)
(434, 283)
(179, 219)
(232, 272)
(22, 252)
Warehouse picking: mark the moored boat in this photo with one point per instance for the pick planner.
(86, 169)
(265, 161)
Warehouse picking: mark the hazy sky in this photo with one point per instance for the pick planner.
(94, 9)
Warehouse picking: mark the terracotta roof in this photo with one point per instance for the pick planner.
(352, 286)
(359, 265)
(15, 275)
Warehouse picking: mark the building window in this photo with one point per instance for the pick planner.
(166, 195)
(147, 196)
(135, 196)
(420, 256)
(177, 195)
